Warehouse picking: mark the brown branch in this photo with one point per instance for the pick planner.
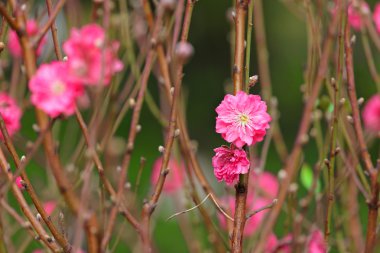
(49, 24)
(238, 80)
(11, 21)
(29, 188)
(373, 173)
(292, 161)
(264, 74)
(53, 28)
(185, 141)
(24, 206)
(149, 207)
(108, 186)
(91, 224)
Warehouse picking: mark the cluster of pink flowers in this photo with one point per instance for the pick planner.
(229, 163)
(56, 86)
(355, 15)
(242, 120)
(174, 180)
(11, 114)
(371, 114)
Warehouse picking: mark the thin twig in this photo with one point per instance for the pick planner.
(190, 209)
(269, 206)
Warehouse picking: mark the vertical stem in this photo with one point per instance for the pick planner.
(3, 248)
(238, 69)
(241, 187)
(54, 34)
(373, 173)
(334, 125)
(264, 74)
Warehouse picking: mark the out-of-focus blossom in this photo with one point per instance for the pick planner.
(242, 119)
(52, 91)
(19, 183)
(253, 223)
(376, 17)
(91, 60)
(14, 43)
(265, 183)
(174, 180)
(371, 114)
(355, 15)
(49, 207)
(316, 242)
(285, 244)
(11, 114)
(271, 244)
(229, 163)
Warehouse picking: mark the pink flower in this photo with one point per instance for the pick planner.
(14, 43)
(371, 114)
(51, 90)
(266, 183)
(49, 207)
(19, 183)
(242, 119)
(271, 244)
(174, 180)
(252, 223)
(376, 17)
(87, 52)
(316, 243)
(354, 15)
(228, 163)
(285, 244)
(11, 114)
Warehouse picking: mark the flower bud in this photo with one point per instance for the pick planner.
(168, 5)
(184, 51)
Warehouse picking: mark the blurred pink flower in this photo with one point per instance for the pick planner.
(228, 163)
(376, 17)
(354, 15)
(51, 90)
(285, 244)
(371, 113)
(14, 44)
(316, 242)
(271, 244)
(87, 52)
(49, 207)
(174, 180)
(242, 119)
(252, 223)
(266, 183)
(19, 183)
(11, 114)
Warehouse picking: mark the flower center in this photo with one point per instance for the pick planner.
(243, 119)
(58, 88)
